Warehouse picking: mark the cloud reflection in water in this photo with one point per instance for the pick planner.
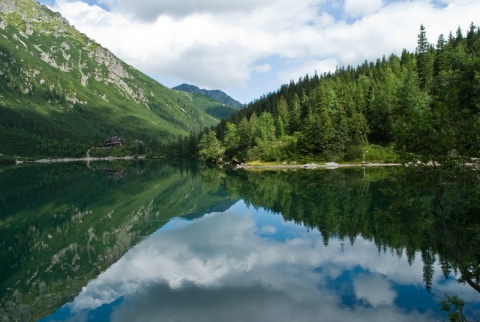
(248, 265)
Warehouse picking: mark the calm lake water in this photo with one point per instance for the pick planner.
(163, 242)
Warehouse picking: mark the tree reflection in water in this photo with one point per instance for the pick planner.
(424, 208)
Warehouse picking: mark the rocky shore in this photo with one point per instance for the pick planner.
(328, 165)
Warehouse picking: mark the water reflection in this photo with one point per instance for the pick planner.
(63, 224)
(247, 264)
(299, 245)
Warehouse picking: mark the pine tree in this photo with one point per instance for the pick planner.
(424, 60)
(295, 115)
(282, 111)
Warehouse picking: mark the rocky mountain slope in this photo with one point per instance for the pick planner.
(61, 92)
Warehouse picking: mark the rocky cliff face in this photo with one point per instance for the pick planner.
(7, 6)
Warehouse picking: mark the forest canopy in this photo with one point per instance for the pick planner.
(425, 105)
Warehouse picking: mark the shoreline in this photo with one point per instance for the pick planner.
(328, 165)
(334, 165)
(89, 159)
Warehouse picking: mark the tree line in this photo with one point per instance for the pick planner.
(424, 105)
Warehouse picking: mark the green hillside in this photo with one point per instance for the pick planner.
(61, 92)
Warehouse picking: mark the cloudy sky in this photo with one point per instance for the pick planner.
(251, 47)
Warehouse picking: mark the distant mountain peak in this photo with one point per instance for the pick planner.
(215, 94)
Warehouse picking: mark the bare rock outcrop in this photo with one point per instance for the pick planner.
(7, 6)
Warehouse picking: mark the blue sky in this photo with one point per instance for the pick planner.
(251, 47)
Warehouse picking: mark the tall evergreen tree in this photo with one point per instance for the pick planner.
(282, 111)
(424, 60)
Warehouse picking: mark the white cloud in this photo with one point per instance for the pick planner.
(376, 290)
(357, 8)
(222, 44)
(263, 68)
(151, 9)
(269, 229)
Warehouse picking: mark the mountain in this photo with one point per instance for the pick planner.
(215, 94)
(217, 109)
(61, 92)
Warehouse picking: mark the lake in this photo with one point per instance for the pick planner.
(156, 241)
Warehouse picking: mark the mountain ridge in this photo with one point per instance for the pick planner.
(215, 94)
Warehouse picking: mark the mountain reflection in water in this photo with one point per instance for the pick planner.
(247, 264)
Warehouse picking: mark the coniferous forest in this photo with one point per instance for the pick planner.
(425, 105)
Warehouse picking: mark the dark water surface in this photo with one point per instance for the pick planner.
(163, 242)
